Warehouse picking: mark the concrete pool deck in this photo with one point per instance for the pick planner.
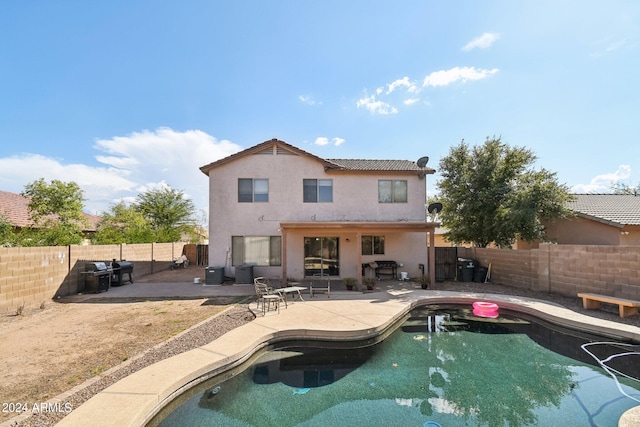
(134, 400)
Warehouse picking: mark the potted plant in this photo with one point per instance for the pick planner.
(424, 281)
(369, 282)
(350, 283)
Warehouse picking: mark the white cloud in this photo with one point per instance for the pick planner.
(323, 140)
(602, 183)
(126, 166)
(309, 100)
(403, 82)
(376, 106)
(446, 77)
(607, 46)
(405, 90)
(482, 42)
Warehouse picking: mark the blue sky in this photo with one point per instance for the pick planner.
(121, 96)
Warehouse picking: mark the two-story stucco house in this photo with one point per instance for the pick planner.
(292, 214)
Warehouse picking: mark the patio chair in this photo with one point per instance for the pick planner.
(320, 284)
(266, 296)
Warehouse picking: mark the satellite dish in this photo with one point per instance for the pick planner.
(422, 161)
(434, 208)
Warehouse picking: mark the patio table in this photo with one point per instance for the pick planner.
(291, 290)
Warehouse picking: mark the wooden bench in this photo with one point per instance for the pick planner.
(626, 307)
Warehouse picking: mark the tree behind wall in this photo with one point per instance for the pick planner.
(168, 211)
(56, 212)
(123, 224)
(492, 194)
(7, 235)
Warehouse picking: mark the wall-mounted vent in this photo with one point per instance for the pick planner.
(268, 150)
(284, 151)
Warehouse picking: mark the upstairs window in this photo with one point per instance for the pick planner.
(317, 190)
(253, 190)
(392, 191)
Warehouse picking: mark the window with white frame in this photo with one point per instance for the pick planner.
(253, 190)
(392, 191)
(256, 250)
(372, 245)
(317, 190)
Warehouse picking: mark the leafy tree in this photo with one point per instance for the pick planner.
(56, 211)
(622, 188)
(7, 236)
(168, 212)
(123, 224)
(491, 194)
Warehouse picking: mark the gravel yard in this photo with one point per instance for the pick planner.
(85, 347)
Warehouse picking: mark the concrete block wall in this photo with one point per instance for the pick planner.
(31, 276)
(565, 269)
(507, 266)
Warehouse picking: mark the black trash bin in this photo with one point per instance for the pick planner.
(244, 274)
(480, 274)
(465, 269)
(214, 275)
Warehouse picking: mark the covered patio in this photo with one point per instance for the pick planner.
(410, 242)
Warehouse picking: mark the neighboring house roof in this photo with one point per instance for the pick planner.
(329, 164)
(614, 209)
(15, 208)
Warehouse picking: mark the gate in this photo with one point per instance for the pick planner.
(202, 255)
(446, 263)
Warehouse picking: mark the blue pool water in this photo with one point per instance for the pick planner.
(442, 366)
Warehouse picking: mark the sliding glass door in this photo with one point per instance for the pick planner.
(321, 256)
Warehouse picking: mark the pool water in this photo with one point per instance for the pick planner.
(442, 366)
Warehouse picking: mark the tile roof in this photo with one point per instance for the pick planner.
(330, 164)
(379, 165)
(15, 208)
(621, 209)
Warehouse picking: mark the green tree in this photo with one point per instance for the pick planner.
(7, 235)
(492, 194)
(169, 213)
(123, 224)
(56, 211)
(621, 188)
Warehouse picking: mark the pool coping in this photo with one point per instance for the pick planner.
(134, 400)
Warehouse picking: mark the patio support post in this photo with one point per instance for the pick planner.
(284, 256)
(359, 258)
(432, 256)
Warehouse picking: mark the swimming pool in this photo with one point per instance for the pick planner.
(442, 365)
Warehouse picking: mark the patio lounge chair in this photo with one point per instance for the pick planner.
(183, 262)
(266, 296)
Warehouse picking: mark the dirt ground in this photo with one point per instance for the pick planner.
(44, 352)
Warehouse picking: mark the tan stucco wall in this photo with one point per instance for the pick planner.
(582, 231)
(355, 198)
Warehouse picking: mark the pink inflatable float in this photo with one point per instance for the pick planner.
(485, 309)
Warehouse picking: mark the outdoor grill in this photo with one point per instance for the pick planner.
(120, 268)
(97, 277)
